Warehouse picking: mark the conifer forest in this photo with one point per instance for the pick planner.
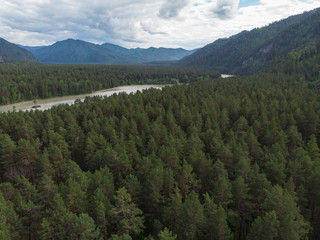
(201, 158)
(233, 158)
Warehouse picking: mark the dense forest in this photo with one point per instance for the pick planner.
(220, 159)
(230, 158)
(18, 83)
(305, 64)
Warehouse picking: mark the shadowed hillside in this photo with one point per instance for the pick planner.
(252, 51)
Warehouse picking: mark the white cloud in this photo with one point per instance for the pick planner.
(225, 9)
(138, 23)
(171, 9)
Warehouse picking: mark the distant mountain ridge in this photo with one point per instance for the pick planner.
(247, 52)
(253, 51)
(72, 51)
(12, 53)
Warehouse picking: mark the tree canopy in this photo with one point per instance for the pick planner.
(216, 159)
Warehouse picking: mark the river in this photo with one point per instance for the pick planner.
(226, 75)
(48, 103)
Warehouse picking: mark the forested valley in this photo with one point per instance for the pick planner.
(230, 158)
(19, 83)
(200, 157)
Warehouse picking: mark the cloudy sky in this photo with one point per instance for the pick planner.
(139, 23)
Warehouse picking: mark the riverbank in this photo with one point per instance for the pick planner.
(44, 104)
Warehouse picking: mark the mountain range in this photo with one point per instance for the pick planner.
(253, 51)
(80, 52)
(245, 53)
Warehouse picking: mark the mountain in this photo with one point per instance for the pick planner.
(115, 48)
(80, 52)
(12, 53)
(160, 54)
(77, 52)
(253, 51)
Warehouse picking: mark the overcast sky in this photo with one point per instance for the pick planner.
(139, 23)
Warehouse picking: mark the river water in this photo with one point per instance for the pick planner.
(226, 75)
(50, 102)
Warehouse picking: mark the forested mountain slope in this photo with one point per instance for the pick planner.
(253, 51)
(219, 159)
(76, 51)
(12, 53)
(304, 63)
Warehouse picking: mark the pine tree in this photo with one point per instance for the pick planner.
(221, 187)
(121, 237)
(258, 188)
(46, 231)
(215, 225)
(172, 212)
(100, 207)
(10, 224)
(166, 234)
(274, 168)
(243, 205)
(47, 191)
(265, 228)
(187, 179)
(292, 223)
(7, 160)
(85, 228)
(127, 214)
(75, 197)
(27, 155)
(192, 218)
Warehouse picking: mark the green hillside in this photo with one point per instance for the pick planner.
(12, 53)
(304, 63)
(253, 51)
